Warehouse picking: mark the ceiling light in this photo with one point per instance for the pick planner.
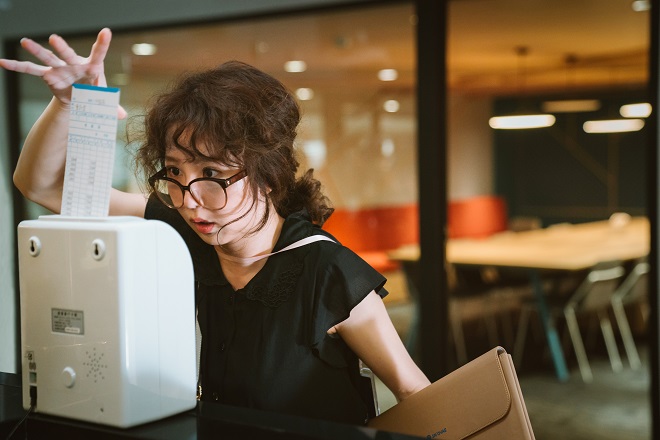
(144, 49)
(261, 47)
(388, 74)
(613, 125)
(391, 106)
(523, 118)
(316, 152)
(571, 106)
(640, 5)
(515, 122)
(295, 66)
(387, 147)
(304, 93)
(639, 110)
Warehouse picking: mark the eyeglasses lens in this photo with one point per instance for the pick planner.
(207, 193)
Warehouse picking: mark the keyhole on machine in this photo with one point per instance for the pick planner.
(98, 249)
(35, 246)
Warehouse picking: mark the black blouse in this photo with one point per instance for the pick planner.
(266, 346)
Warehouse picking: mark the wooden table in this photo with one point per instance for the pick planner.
(563, 247)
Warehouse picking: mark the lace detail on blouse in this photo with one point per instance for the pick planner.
(278, 290)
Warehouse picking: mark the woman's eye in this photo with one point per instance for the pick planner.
(173, 172)
(209, 172)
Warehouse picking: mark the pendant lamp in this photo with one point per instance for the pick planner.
(637, 110)
(521, 119)
(570, 105)
(631, 121)
(626, 120)
(613, 125)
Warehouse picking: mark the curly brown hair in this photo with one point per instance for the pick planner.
(245, 118)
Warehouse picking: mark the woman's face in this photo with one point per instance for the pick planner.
(214, 226)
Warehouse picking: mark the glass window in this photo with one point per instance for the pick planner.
(354, 73)
(357, 130)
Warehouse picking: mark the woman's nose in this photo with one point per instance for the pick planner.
(189, 201)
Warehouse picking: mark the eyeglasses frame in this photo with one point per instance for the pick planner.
(224, 184)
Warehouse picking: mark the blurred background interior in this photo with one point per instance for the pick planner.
(353, 68)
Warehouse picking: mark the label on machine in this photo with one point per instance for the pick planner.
(68, 321)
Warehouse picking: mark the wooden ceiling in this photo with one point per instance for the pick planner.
(606, 42)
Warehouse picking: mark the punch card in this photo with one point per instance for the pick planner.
(90, 151)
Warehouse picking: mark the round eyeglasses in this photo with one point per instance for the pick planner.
(209, 192)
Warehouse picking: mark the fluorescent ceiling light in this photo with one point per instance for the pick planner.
(640, 110)
(613, 125)
(144, 49)
(571, 106)
(521, 122)
(388, 74)
(295, 66)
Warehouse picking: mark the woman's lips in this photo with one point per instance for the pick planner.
(202, 226)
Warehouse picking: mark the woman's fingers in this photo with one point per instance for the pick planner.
(41, 53)
(68, 55)
(60, 71)
(100, 47)
(24, 67)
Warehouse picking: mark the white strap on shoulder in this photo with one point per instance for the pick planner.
(296, 244)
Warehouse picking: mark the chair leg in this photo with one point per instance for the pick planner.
(413, 327)
(491, 330)
(507, 329)
(459, 338)
(365, 371)
(503, 317)
(626, 334)
(610, 341)
(578, 345)
(519, 344)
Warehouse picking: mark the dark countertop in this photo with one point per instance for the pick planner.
(207, 421)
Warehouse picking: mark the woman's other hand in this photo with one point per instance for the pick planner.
(62, 68)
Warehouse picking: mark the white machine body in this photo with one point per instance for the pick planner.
(107, 319)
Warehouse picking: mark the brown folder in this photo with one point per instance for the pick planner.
(480, 400)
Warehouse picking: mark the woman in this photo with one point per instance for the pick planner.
(282, 330)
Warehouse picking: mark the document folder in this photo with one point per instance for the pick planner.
(480, 400)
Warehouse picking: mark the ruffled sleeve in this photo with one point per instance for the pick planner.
(341, 284)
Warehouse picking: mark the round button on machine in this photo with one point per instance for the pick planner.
(68, 377)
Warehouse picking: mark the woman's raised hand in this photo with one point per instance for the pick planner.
(64, 67)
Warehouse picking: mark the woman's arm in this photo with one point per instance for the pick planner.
(39, 173)
(369, 332)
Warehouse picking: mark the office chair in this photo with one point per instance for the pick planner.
(366, 373)
(633, 288)
(460, 294)
(593, 294)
